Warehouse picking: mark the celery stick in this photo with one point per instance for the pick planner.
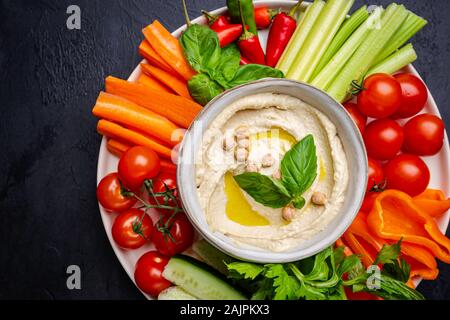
(347, 29)
(319, 39)
(365, 55)
(396, 61)
(301, 33)
(408, 29)
(335, 65)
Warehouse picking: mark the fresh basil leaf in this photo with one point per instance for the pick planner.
(245, 270)
(228, 65)
(203, 89)
(253, 72)
(299, 166)
(263, 189)
(201, 48)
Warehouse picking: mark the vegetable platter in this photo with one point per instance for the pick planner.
(438, 164)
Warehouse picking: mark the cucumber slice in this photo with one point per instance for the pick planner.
(175, 293)
(199, 280)
(212, 256)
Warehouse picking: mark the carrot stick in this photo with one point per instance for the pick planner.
(148, 53)
(118, 148)
(169, 80)
(152, 83)
(127, 113)
(168, 48)
(117, 132)
(178, 109)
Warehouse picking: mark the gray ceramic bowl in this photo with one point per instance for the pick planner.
(353, 146)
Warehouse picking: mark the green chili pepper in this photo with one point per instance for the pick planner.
(248, 12)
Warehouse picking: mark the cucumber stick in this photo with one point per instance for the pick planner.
(212, 257)
(199, 280)
(320, 37)
(305, 25)
(335, 65)
(365, 55)
(346, 30)
(396, 61)
(175, 293)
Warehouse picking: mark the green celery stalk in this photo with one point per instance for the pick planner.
(301, 33)
(335, 65)
(408, 29)
(396, 61)
(347, 29)
(319, 39)
(365, 55)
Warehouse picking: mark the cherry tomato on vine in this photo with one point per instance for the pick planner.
(407, 173)
(148, 273)
(375, 177)
(383, 139)
(380, 97)
(110, 196)
(137, 165)
(414, 96)
(132, 229)
(358, 117)
(165, 184)
(173, 234)
(424, 135)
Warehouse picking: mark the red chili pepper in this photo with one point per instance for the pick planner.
(250, 46)
(229, 34)
(264, 17)
(216, 22)
(283, 28)
(244, 61)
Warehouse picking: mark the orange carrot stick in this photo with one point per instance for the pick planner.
(178, 109)
(117, 132)
(127, 113)
(152, 83)
(168, 48)
(148, 53)
(118, 148)
(177, 85)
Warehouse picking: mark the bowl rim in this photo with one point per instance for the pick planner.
(259, 255)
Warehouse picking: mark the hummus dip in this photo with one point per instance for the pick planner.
(274, 123)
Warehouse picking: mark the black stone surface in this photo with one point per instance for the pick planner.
(49, 80)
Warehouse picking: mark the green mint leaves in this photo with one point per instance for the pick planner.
(219, 68)
(298, 169)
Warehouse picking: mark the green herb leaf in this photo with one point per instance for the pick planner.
(389, 253)
(253, 72)
(299, 166)
(228, 65)
(201, 47)
(264, 291)
(287, 287)
(394, 267)
(203, 89)
(245, 270)
(264, 189)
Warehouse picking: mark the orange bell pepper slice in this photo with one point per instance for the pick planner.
(433, 202)
(395, 216)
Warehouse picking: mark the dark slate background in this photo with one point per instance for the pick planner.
(49, 80)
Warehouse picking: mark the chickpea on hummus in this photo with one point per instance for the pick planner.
(252, 136)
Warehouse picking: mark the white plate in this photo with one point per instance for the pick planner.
(439, 164)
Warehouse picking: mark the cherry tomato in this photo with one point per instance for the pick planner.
(358, 117)
(173, 235)
(407, 173)
(414, 96)
(424, 135)
(165, 183)
(148, 273)
(376, 176)
(380, 97)
(132, 229)
(368, 202)
(137, 165)
(383, 139)
(110, 197)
